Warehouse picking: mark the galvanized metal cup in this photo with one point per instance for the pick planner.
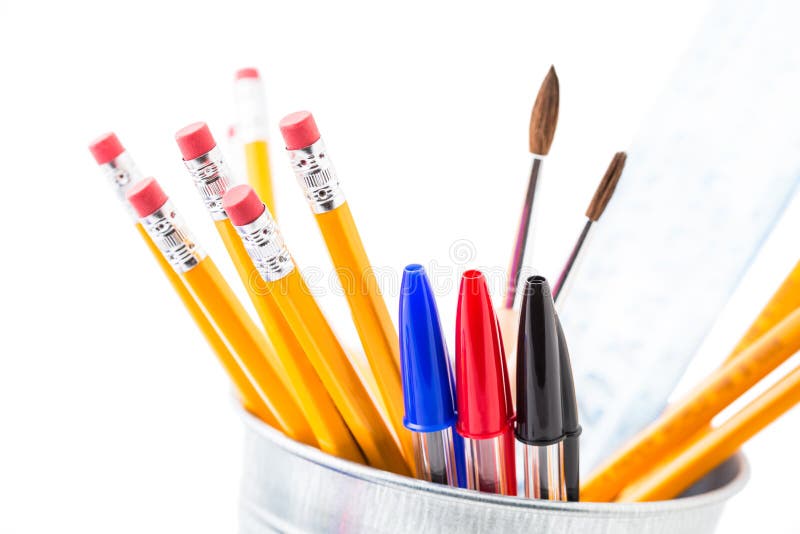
(290, 487)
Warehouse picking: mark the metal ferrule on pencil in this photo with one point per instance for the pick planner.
(212, 177)
(122, 173)
(316, 175)
(251, 110)
(169, 233)
(264, 244)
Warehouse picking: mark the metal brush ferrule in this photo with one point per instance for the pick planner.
(169, 233)
(314, 171)
(264, 244)
(122, 173)
(251, 110)
(212, 178)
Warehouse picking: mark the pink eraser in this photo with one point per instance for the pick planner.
(105, 148)
(299, 130)
(248, 72)
(195, 140)
(146, 196)
(242, 205)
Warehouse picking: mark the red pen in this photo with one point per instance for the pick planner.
(485, 412)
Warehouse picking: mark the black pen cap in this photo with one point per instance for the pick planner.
(569, 402)
(539, 411)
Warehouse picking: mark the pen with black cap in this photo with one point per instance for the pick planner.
(540, 416)
(428, 387)
(572, 427)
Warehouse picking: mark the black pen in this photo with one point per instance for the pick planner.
(539, 425)
(569, 418)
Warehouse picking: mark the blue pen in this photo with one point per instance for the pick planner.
(428, 387)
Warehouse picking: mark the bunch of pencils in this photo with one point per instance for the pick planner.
(459, 429)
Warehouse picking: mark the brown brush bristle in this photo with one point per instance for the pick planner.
(607, 185)
(544, 116)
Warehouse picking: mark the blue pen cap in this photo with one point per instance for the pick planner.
(428, 392)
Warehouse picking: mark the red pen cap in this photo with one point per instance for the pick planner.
(482, 388)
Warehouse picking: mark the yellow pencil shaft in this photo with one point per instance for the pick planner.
(694, 411)
(245, 390)
(256, 154)
(712, 447)
(250, 346)
(783, 302)
(319, 409)
(370, 315)
(337, 373)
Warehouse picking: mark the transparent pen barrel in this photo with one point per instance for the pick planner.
(544, 472)
(487, 464)
(435, 456)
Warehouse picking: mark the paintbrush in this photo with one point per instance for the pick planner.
(542, 129)
(597, 206)
(544, 118)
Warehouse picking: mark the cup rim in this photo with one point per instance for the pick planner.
(385, 478)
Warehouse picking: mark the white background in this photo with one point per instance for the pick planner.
(114, 416)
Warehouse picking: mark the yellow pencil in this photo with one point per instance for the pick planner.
(694, 411)
(264, 243)
(252, 129)
(712, 447)
(249, 397)
(201, 276)
(783, 302)
(123, 173)
(212, 178)
(316, 175)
